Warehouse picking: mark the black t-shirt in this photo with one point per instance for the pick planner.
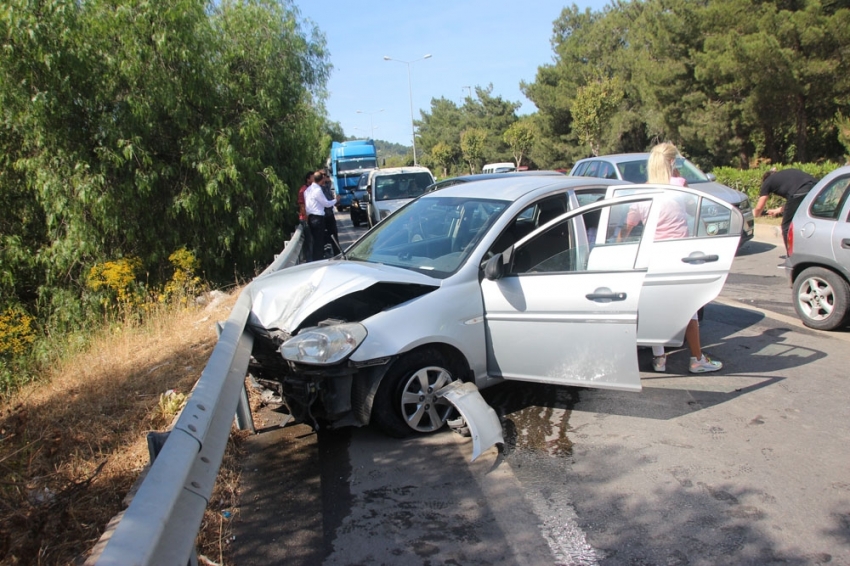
(787, 183)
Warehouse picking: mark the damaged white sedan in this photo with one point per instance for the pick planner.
(505, 279)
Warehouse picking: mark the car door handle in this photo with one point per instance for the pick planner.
(606, 296)
(845, 243)
(700, 258)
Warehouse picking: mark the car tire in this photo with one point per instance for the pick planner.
(402, 405)
(821, 297)
(355, 221)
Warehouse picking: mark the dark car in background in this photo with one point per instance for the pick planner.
(358, 213)
(631, 167)
(819, 253)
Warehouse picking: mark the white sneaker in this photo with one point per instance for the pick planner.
(659, 363)
(704, 365)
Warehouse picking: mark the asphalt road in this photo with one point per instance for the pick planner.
(747, 466)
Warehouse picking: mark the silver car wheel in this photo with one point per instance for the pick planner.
(420, 408)
(816, 298)
(821, 298)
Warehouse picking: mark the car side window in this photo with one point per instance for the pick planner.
(828, 203)
(681, 215)
(571, 246)
(528, 220)
(592, 169)
(606, 170)
(579, 172)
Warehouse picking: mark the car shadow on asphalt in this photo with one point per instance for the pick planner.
(755, 359)
(754, 247)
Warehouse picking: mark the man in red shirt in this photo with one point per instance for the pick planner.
(307, 247)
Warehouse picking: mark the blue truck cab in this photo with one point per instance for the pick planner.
(347, 162)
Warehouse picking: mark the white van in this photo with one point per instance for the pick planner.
(499, 167)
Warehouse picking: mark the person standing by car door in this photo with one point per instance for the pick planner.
(792, 185)
(315, 204)
(660, 170)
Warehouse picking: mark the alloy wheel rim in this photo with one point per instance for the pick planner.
(421, 409)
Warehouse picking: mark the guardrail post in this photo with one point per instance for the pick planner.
(244, 419)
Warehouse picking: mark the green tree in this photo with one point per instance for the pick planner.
(842, 124)
(472, 142)
(135, 129)
(443, 124)
(520, 137)
(592, 109)
(443, 154)
(494, 115)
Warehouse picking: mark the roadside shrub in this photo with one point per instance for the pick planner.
(118, 279)
(17, 335)
(184, 284)
(749, 180)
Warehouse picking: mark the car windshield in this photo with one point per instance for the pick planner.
(356, 164)
(635, 171)
(689, 171)
(401, 185)
(433, 235)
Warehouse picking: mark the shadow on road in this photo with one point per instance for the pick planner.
(754, 247)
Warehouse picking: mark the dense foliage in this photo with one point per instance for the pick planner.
(135, 128)
(731, 82)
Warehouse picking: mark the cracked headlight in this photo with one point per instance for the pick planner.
(324, 345)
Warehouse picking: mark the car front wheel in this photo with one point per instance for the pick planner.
(821, 297)
(406, 402)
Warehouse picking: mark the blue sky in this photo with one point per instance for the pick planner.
(471, 43)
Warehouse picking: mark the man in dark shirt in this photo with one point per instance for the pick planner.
(790, 184)
(331, 231)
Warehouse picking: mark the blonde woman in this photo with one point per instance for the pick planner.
(660, 170)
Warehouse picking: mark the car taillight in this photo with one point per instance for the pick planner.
(790, 239)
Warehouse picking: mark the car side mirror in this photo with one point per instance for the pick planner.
(368, 196)
(494, 268)
(711, 177)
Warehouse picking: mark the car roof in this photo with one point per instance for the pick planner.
(485, 176)
(503, 186)
(399, 170)
(619, 157)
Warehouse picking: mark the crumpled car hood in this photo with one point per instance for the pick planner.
(282, 300)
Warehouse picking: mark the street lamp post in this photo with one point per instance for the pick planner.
(410, 91)
(371, 127)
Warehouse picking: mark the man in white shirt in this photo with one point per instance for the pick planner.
(315, 204)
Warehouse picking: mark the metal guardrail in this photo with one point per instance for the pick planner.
(162, 521)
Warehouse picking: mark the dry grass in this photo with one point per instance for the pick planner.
(72, 445)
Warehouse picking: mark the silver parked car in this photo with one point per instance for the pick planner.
(631, 167)
(819, 253)
(481, 282)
